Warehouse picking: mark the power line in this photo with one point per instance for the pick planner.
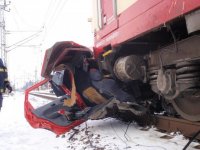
(54, 9)
(54, 16)
(25, 41)
(50, 21)
(15, 20)
(47, 12)
(19, 31)
(57, 13)
(32, 46)
(27, 38)
(21, 18)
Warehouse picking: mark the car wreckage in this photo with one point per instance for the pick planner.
(143, 62)
(84, 93)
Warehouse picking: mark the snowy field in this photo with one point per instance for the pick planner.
(107, 134)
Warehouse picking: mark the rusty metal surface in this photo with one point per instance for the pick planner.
(169, 124)
(188, 105)
(129, 68)
(188, 49)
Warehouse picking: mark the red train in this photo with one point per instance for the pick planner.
(146, 60)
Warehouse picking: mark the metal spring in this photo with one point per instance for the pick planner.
(188, 71)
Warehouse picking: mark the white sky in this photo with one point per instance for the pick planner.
(59, 20)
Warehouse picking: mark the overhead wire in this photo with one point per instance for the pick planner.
(27, 38)
(54, 11)
(49, 18)
(32, 46)
(16, 31)
(50, 21)
(15, 20)
(21, 43)
(21, 18)
(57, 13)
(47, 12)
(51, 10)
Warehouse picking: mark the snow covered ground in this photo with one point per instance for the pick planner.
(107, 134)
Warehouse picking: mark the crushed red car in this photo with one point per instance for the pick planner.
(83, 93)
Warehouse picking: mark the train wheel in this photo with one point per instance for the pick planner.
(188, 105)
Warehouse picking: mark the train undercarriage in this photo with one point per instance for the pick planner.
(172, 73)
(166, 61)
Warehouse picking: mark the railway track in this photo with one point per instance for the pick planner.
(163, 123)
(170, 124)
(49, 96)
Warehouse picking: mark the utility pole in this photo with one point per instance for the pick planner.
(3, 53)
